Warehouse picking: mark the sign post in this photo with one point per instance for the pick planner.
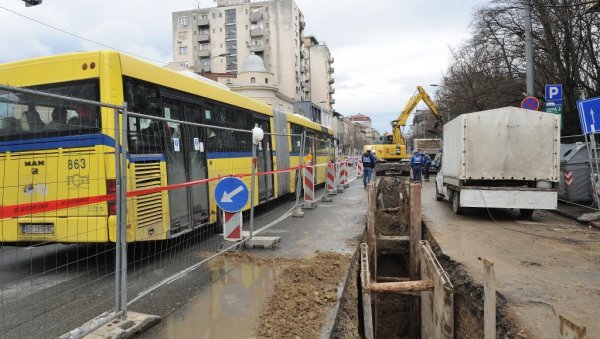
(231, 195)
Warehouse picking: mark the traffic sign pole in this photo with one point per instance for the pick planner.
(252, 187)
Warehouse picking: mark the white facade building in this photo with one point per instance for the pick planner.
(216, 41)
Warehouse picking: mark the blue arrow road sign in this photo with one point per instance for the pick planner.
(231, 194)
(554, 93)
(589, 115)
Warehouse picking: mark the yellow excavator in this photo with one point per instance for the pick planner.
(393, 150)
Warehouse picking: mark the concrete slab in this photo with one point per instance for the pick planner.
(120, 329)
(545, 266)
(262, 242)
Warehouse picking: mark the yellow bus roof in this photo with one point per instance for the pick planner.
(78, 66)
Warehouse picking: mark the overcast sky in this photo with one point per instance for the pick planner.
(383, 49)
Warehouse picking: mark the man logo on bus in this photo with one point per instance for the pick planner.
(34, 163)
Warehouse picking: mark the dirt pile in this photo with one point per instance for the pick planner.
(303, 291)
(392, 214)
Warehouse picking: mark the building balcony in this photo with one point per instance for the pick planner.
(203, 37)
(331, 70)
(331, 90)
(204, 69)
(257, 32)
(203, 53)
(331, 60)
(304, 55)
(257, 48)
(331, 81)
(332, 101)
(306, 89)
(304, 69)
(254, 17)
(202, 22)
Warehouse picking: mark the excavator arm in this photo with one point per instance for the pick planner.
(410, 105)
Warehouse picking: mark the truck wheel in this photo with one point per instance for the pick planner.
(526, 213)
(438, 196)
(456, 203)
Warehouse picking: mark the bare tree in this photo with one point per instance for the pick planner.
(488, 71)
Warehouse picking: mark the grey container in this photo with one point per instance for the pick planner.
(575, 184)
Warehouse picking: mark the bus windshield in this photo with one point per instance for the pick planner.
(28, 116)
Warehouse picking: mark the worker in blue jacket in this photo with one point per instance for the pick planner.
(368, 159)
(426, 165)
(416, 164)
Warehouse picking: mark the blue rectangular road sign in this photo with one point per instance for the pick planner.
(589, 115)
(554, 93)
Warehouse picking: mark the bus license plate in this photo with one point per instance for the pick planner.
(37, 228)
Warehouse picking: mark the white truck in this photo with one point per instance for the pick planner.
(501, 158)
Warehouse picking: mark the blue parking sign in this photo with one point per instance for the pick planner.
(589, 115)
(554, 93)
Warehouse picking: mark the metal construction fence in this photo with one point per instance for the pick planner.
(97, 215)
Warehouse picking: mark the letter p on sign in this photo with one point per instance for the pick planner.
(554, 92)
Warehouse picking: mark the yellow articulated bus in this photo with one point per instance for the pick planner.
(55, 151)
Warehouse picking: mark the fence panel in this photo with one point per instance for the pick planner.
(56, 263)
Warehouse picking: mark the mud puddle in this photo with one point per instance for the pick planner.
(228, 308)
(262, 297)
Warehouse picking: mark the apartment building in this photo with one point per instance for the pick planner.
(217, 41)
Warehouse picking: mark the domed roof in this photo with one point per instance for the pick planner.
(253, 63)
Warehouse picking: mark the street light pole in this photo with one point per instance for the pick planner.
(529, 49)
(210, 60)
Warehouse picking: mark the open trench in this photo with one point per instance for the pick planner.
(391, 312)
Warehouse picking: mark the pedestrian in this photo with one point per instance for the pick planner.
(368, 160)
(416, 163)
(426, 165)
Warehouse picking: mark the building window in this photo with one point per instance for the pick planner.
(253, 80)
(229, 16)
(183, 20)
(183, 35)
(204, 46)
(231, 61)
(231, 46)
(183, 50)
(230, 32)
(266, 80)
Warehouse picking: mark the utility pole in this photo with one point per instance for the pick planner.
(529, 49)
